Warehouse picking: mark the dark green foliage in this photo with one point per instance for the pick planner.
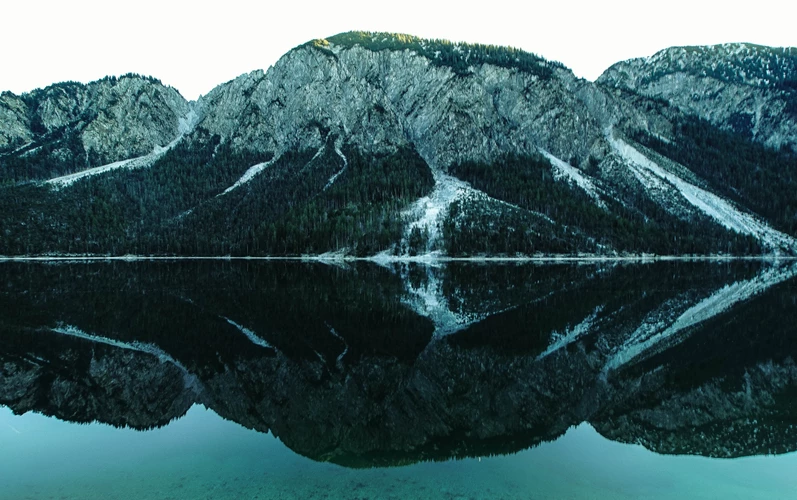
(132, 211)
(418, 241)
(737, 168)
(633, 224)
(135, 76)
(481, 226)
(57, 153)
(174, 207)
(291, 209)
(755, 65)
(457, 56)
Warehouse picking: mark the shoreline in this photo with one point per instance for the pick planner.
(390, 259)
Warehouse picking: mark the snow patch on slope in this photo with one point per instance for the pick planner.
(654, 177)
(562, 170)
(653, 335)
(145, 161)
(185, 125)
(345, 164)
(250, 174)
(429, 212)
(188, 122)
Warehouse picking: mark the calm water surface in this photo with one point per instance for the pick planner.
(292, 380)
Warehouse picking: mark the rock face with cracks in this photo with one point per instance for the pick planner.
(746, 88)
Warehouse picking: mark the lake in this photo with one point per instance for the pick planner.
(288, 379)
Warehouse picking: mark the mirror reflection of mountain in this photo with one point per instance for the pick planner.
(372, 366)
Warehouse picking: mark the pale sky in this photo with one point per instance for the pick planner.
(194, 46)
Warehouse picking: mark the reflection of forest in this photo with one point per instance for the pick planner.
(367, 365)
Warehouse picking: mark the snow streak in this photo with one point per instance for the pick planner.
(252, 336)
(133, 163)
(562, 170)
(250, 174)
(654, 177)
(569, 336)
(654, 335)
(185, 125)
(345, 164)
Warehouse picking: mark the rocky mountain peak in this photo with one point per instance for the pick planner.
(748, 89)
(733, 63)
(86, 125)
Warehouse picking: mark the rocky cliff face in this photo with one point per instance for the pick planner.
(113, 119)
(377, 99)
(746, 88)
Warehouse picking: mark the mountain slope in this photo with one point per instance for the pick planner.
(373, 143)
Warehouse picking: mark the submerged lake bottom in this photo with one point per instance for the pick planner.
(260, 380)
(202, 456)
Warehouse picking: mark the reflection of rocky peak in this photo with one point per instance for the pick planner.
(268, 346)
(84, 382)
(725, 417)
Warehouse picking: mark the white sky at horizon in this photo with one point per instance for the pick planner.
(194, 46)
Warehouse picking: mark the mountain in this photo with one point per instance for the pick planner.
(383, 144)
(69, 127)
(745, 88)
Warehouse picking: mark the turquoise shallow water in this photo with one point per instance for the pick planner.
(203, 456)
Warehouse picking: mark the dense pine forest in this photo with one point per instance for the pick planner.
(738, 168)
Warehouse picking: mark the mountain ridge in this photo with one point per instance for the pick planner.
(321, 153)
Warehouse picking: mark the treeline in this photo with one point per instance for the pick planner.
(736, 167)
(632, 223)
(457, 56)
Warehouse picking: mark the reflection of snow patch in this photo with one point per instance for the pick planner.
(569, 336)
(252, 336)
(563, 170)
(428, 301)
(654, 177)
(191, 381)
(656, 333)
(339, 361)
